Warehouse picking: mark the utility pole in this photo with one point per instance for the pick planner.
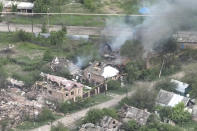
(32, 23)
(48, 16)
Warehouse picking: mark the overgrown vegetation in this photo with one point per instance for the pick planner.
(31, 54)
(59, 127)
(70, 106)
(144, 98)
(166, 85)
(177, 114)
(95, 115)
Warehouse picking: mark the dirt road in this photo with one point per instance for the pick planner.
(71, 30)
(69, 120)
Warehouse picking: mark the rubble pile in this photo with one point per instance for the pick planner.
(16, 109)
(106, 124)
(132, 113)
(60, 63)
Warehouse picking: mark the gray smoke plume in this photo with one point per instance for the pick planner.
(170, 16)
(119, 30)
(82, 61)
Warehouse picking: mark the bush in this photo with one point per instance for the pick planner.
(44, 28)
(46, 115)
(166, 85)
(14, 8)
(47, 56)
(130, 126)
(90, 4)
(70, 106)
(59, 127)
(93, 116)
(22, 36)
(110, 112)
(143, 98)
(176, 114)
(113, 85)
(3, 76)
(57, 38)
(41, 6)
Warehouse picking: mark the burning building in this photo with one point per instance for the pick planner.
(98, 72)
(55, 88)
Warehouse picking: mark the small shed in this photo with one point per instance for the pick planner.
(182, 87)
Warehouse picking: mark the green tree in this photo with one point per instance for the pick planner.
(14, 8)
(90, 4)
(134, 70)
(59, 127)
(44, 28)
(41, 6)
(57, 38)
(113, 85)
(166, 85)
(48, 56)
(1, 7)
(93, 116)
(179, 115)
(164, 112)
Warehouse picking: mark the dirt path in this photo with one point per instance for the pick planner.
(71, 30)
(70, 119)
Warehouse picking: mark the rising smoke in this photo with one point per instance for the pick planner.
(169, 17)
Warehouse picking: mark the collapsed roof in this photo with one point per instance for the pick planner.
(140, 116)
(101, 69)
(65, 83)
(73, 69)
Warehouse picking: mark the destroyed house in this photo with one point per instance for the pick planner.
(98, 72)
(62, 63)
(132, 113)
(186, 39)
(57, 88)
(165, 98)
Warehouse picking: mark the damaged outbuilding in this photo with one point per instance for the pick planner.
(98, 72)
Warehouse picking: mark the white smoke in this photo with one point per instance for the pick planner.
(170, 16)
(82, 61)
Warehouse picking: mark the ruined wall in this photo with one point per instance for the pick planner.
(93, 78)
(188, 45)
(56, 95)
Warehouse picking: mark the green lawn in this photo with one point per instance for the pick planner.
(69, 20)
